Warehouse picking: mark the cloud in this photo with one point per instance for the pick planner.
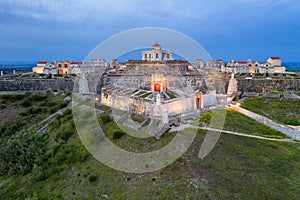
(77, 11)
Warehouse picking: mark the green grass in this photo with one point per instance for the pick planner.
(145, 95)
(103, 108)
(259, 74)
(131, 93)
(286, 111)
(238, 122)
(278, 92)
(140, 93)
(138, 118)
(237, 168)
(18, 111)
(172, 96)
(243, 74)
(297, 93)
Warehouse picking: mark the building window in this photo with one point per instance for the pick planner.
(146, 56)
(168, 56)
(156, 69)
(157, 56)
(149, 55)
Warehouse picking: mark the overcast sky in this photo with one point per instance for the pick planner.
(33, 30)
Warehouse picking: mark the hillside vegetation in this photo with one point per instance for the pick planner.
(55, 165)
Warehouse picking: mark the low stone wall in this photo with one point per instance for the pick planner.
(264, 85)
(36, 84)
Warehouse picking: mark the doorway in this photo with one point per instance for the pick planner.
(157, 87)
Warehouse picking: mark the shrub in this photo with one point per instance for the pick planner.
(138, 118)
(2, 106)
(205, 117)
(12, 97)
(117, 134)
(105, 118)
(65, 134)
(92, 178)
(34, 110)
(26, 103)
(37, 97)
(51, 103)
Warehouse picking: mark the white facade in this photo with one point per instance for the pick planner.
(74, 67)
(157, 54)
(114, 64)
(39, 69)
(215, 64)
(199, 64)
(274, 61)
(50, 69)
(98, 63)
(273, 65)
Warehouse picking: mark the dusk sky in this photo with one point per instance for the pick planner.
(33, 30)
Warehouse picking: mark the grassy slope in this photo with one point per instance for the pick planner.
(237, 168)
(283, 110)
(238, 122)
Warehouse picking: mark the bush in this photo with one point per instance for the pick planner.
(51, 103)
(92, 178)
(37, 97)
(12, 97)
(65, 134)
(138, 118)
(2, 106)
(105, 118)
(205, 117)
(33, 111)
(117, 134)
(26, 103)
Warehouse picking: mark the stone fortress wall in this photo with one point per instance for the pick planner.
(244, 85)
(143, 106)
(24, 84)
(265, 85)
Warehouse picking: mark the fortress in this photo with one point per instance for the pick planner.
(157, 85)
(158, 79)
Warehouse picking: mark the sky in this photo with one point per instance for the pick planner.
(33, 30)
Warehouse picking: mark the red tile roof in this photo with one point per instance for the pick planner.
(74, 63)
(275, 58)
(42, 62)
(156, 45)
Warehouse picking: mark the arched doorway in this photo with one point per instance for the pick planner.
(157, 87)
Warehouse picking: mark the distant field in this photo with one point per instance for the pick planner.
(283, 110)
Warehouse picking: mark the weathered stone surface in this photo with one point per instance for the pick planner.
(271, 95)
(264, 85)
(291, 96)
(36, 84)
